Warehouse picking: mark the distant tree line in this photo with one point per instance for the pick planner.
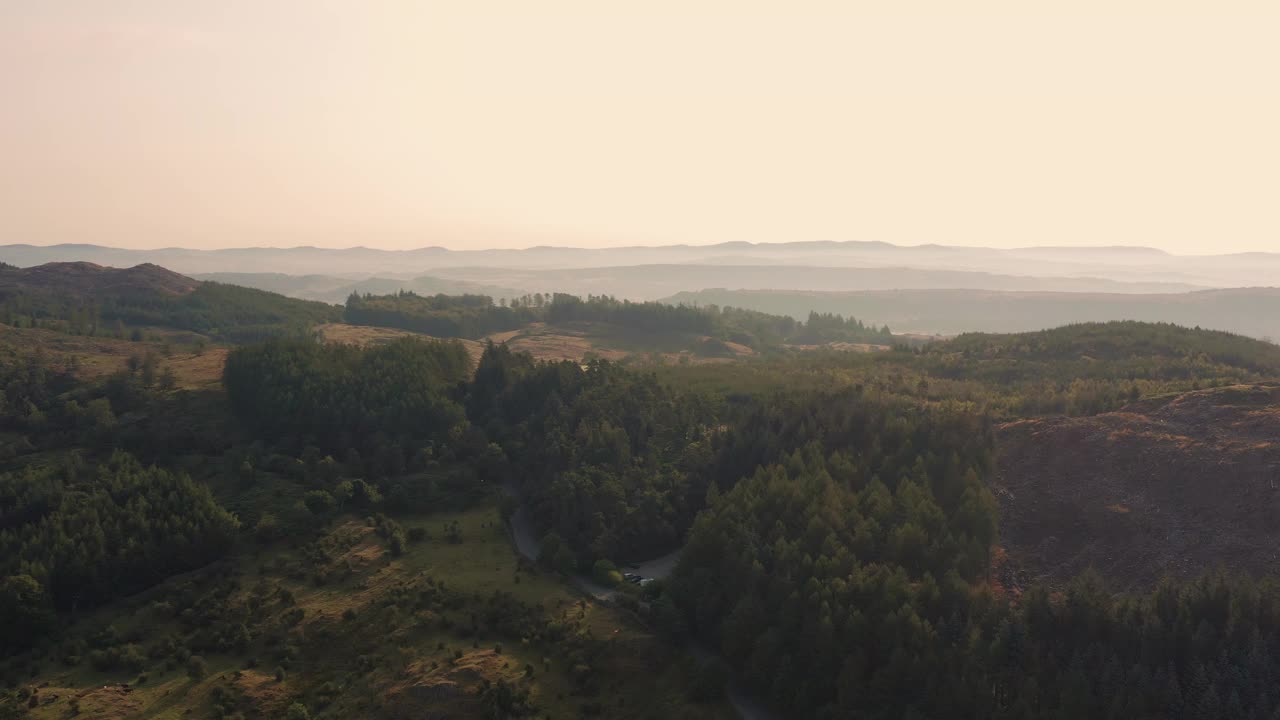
(475, 316)
(446, 316)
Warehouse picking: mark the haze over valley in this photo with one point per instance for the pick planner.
(678, 360)
(933, 290)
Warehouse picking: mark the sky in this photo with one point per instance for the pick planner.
(508, 123)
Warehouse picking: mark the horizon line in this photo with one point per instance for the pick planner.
(672, 246)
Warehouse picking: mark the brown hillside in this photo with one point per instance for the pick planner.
(372, 335)
(1173, 486)
(577, 343)
(84, 278)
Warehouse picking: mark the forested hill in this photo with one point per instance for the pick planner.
(1140, 351)
(84, 298)
(1120, 341)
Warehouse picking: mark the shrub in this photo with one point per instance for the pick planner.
(197, 668)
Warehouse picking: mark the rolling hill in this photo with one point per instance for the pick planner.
(85, 279)
(1122, 265)
(87, 298)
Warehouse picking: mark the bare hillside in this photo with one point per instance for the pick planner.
(1173, 486)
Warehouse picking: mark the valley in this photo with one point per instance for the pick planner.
(224, 503)
(692, 360)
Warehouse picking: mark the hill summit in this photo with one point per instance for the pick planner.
(86, 278)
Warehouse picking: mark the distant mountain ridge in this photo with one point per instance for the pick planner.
(654, 281)
(336, 290)
(649, 282)
(1123, 264)
(1247, 311)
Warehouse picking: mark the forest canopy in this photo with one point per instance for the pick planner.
(834, 512)
(91, 534)
(395, 398)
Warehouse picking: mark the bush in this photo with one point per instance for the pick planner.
(606, 573)
(267, 528)
(120, 657)
(396, 543)
(320, 502)
(197, 668)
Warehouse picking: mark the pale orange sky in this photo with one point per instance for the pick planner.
(481, 123)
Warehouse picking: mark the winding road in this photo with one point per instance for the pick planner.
(527, 545)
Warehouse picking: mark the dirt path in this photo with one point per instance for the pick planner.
(527, 545)
(748, 708)
(522, 532)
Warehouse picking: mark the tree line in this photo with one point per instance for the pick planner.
(446, 316)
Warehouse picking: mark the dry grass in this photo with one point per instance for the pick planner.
(844, 347)
(550, 345)
(368, 335)
(576, 343)
(415, 670)
(97, 357)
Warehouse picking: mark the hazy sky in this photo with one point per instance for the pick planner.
(480, 123)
